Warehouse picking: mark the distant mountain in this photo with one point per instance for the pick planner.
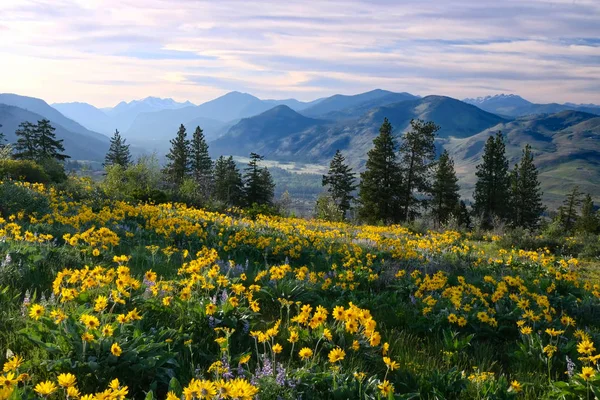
(260, 133)
(42, 108)
(78, 144)
(123, 114)
(341, 102)
(515, 106)
(566, 146)
(87, 115)
(287, 135)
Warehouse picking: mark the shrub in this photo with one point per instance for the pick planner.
(22, 170)
(15, 198)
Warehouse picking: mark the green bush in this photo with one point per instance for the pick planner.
(54, 169)
(14, 199)
(22, 170)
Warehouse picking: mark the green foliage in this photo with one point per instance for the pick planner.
(445, 197)
(589, 221)
(492, 187)
(201, 163)
(340, 181)
(229, 187)
(48, 147)
(258, 183)
(568, 212)
(22, 170)
(118, 152)
(139, 181)
(417, 152)
(178, 166)
(327, 209)
(381, 180)
(14, 199)
(525, 197)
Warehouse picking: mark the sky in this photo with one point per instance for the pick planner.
(103, 52)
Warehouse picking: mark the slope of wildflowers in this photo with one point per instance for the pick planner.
(110, 300)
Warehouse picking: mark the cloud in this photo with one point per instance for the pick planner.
(106, 51)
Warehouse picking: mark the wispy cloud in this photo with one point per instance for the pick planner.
(106, 51)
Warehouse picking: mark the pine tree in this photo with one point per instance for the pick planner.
(118, 153)
(445, 197)
(525, 201)
(380, 182)
(417, 153)
(567, 213)
(2, 139)
(492, 187)
(27, 145)
(178, 166)
(463, 217)
(258, 183)
(340, 181)
(201, 163)
(589, 221)
(229, 187)
(48, 146)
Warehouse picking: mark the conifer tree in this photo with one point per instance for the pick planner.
(229, 187)
(118, 152)
(27, 145)
(567, 213)
(258, 183)
(589, 221)
(445, 197)
(2, 139)
(463, 217)
(48, 147)
(201, 163)
(178, 166)
(525, 201)
(492, 187)
(340, 181)
(381, 180)
(417, 153)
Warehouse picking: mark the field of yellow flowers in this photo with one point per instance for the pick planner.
(111, 300)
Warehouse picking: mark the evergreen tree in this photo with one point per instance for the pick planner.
(27, 145)
(492, 187)
(588, 222)
(445, 197)
(229, 187)
(525, 201)
(463, 217)
(417, 153)
(381, 180)
(2, 139)
(340, 180)
(258, 183)
(118, 153)
(178, 166)
(567, 213)
(48, 147)
(201, 163)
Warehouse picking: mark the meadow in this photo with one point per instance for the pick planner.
(104, 299)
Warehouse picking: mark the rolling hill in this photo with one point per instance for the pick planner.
(88, 116)
(515, 106)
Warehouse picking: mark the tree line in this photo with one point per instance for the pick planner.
(190, 170)
(401, 182)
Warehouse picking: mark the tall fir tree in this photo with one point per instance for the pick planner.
(417, 154)
(445, 198)
(525, 196)
(380, 182)
(463, 216)
(567, 213)
(258, 183)
(201, 163)
(118, 152)
(340, 181)
(2, 138)
(492, 187)
(589, 221)
(27, 145)
(48, 146)
(178, 167)
(229, 187)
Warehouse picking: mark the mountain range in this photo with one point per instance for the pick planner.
(565, 137)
